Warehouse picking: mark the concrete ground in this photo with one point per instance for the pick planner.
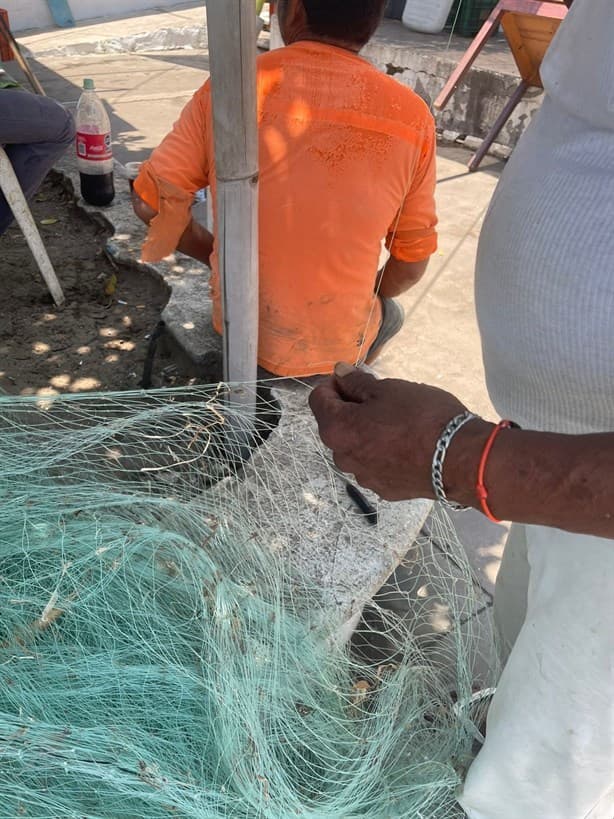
(144, 92)
(439, 344)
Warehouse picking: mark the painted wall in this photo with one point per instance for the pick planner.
(25, 14)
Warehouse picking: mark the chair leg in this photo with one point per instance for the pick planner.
(494, 132)
(470, 56)
(17, 202)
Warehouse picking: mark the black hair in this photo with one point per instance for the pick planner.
(352, 21)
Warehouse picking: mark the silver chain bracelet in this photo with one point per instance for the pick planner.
(439, 457)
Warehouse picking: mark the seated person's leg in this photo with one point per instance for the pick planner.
(393, 317)
(35, 132)
(395, 278)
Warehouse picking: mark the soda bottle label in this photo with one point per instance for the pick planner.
(96, 147)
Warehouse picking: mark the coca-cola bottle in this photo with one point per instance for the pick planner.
(94, 153)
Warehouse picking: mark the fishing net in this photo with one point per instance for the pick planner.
(160, 653)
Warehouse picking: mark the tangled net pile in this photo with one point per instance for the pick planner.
(158, 658)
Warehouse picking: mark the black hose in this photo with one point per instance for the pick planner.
(366, 508)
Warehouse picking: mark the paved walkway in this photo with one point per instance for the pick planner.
(144, 91)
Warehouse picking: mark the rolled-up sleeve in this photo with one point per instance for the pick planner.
(412, 236)
(176, 169)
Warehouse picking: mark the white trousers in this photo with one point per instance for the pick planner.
(549, 750)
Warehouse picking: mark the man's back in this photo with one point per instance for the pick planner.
(346, 159)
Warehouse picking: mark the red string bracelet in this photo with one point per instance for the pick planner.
(480, 489)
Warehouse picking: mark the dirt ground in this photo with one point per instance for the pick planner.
(99, 339)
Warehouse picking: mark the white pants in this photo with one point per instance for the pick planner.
(549, 750)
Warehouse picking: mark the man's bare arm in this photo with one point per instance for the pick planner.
(565, 481)
(196, 241)
(398, 276)
(384, 432)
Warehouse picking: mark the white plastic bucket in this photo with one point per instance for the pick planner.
(428, 16)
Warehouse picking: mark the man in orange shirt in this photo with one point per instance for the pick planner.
(347, 159)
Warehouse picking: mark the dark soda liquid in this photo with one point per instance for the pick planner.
(97, 190)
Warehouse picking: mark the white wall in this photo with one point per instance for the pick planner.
(35, 13)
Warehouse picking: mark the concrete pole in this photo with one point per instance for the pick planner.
(232, 55)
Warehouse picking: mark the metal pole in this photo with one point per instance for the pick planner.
(232, 54)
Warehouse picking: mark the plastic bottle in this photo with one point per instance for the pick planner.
(94, 153)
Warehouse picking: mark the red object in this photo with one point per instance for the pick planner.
(271, 8)
(95, 147)
(6, 50)
(480, 489)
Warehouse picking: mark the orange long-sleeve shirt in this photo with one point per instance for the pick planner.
(347, 159)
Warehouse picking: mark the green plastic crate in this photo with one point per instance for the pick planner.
(472, 15)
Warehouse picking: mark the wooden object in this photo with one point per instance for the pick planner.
(7, 35)
(6, 51)
(232, 55)
(9, 184)
(529, 26)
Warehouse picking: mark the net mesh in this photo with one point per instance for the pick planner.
(160, 656)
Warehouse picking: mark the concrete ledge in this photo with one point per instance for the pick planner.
(303, 511)
(424, 62)
(471, 143)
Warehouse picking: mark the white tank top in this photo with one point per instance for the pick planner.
(545, 269)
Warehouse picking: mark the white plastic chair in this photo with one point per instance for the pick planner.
(9, 184)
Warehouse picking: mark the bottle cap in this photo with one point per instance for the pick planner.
(88, 85)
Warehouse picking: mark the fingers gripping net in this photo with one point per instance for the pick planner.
(159, 658)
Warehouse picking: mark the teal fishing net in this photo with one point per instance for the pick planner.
(163, 655)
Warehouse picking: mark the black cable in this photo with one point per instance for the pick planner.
(151, 355)
(366, 508)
